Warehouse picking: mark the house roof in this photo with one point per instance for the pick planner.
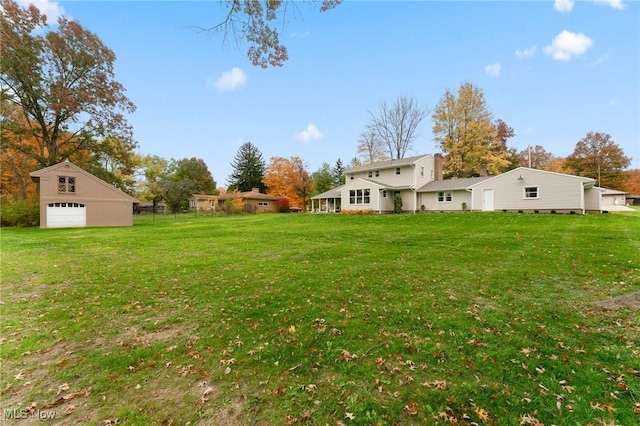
(332, 193)
(606, 191)
(451, 184)
(521, 170)
(387, 164)
(205, 197)
(249, 195)
(67, 164)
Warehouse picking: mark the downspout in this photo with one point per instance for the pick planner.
(471, 191)
(413, 188)
(582, 198)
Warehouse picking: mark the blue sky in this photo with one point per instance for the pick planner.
(553, 71)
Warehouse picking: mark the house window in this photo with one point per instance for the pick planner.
(445, 196)
(421, 171)
(370, 173)
(530, 192)
(351, 176)
(377, 173)
(384, 194)
(360, 196)
(263, 203)
(66, 184)
(397, 170)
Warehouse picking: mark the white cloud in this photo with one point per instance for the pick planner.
(567, 45)
(229, 80)
(563, 6)
(51, 9)
(493, 70)
(526, 53)
(311, 133)
(616, 4)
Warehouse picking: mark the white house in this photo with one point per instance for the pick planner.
(418, 181)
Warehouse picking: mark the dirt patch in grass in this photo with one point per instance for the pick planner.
(630, 301)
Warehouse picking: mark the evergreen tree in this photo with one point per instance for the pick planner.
(338, 173)
(248, 169)
(323, 179)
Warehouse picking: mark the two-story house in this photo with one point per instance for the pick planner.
(372, 187)
(419, 182)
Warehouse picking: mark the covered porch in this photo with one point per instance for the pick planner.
(327, 202)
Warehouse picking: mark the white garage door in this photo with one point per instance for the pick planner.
(66, 215)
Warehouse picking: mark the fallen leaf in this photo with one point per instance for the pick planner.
(482, 414)
(411, 408)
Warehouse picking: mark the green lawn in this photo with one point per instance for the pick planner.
(325, 319)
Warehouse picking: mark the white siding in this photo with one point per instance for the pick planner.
(555, 191)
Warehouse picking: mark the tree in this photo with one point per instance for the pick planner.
(370, 146)
(338, 173)
(289, 178)
(302, 181)
(176, 193)
(256, 22)
(323, 179)
(15, 166)
(62, 83)
(397, 125)
(631, 181)
(194, 170)
(597, 156)
(464, 130)
(535, 157)
(184, 178)
(248, 169)
(154, 171)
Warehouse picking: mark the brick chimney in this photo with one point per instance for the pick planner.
(437, 166)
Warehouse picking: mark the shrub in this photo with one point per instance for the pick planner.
(397, 204)
(284, 205)
(22, 213)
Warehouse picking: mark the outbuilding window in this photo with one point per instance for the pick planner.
(531, 192)
(66, 184)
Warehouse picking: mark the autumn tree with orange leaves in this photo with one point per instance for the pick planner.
(289, 178)
(59, 97)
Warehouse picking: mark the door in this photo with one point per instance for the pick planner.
(487, 200)
(66, 215)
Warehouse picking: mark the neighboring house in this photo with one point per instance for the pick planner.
(252, 202)
(147, 208)
(612, 197)
(72, 197)
(418, 181)
(202, 202)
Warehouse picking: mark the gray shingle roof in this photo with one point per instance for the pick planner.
(386, 164)
(451, 184)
